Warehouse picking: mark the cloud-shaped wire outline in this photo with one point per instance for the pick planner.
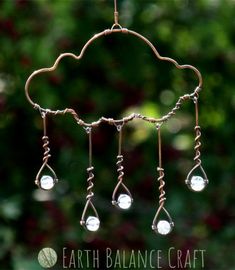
(78, 57)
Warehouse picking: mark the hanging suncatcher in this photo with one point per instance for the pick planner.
(122, 198)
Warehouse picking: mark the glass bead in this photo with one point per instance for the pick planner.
(92, 223)
(124, 201)
(164, 227)
(197, 183)
(47, 182)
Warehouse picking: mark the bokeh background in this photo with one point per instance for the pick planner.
(117, 75)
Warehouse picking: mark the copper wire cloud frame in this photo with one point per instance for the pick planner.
(110, 120)
(119, 123)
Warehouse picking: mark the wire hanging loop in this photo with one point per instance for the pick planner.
(197, 179)
(162, 226)
(45, 181)
(116, 24)
(92, 222)
(125, 199)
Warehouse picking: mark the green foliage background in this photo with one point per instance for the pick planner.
(117, 75)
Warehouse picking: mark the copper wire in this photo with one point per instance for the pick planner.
(90, 183)
(198, 134)
(90, 193)
(161, 181)
(45, 139)
(117, 28)
(197, 157)
(160, 170)
(110, 120)
(46, 154)
(120, 169)
(115, 13)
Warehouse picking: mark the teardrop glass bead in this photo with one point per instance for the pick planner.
(124, 201)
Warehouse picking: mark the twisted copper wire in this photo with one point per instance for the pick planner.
(124, 120)
(197, 145)
(196, 148)
(120, 168)
(46, 154)
(90, 179)
(162, 183)
(162, 197)
(89, 197)
(117, 28)
(90, 183)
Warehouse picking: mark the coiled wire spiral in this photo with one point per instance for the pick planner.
(46, 154)
(90, 178)
(197, 145)
(120, 168)
(162, 183)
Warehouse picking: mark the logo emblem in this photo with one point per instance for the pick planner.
(47, 257)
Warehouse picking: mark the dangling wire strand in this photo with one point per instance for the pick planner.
(46, 155)
(90, 168)
(90, 193)
(115, 13)
(120, 171)
(197, 179)
(116, 25)
(160, 170)
(198, 133)
(162, 197)
(45, 139)
(120, 168)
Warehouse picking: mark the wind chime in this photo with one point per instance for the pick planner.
(46, 177)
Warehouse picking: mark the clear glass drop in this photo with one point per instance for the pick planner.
(164, 227)
(47, 182)
(197, 179)
(197, 183)
(92, 223)
(124, 201)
